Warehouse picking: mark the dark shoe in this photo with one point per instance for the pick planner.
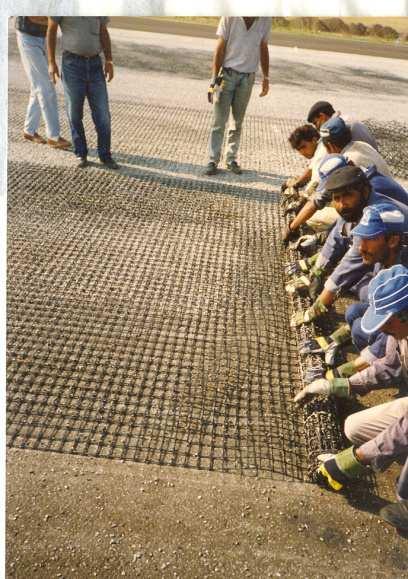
(110, 163)
(59, 144)
(234, 168)
(396, 515)
(36, 138)
(82, 162)
(211, 168)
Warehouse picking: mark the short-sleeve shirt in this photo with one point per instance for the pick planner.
(315, 161)
(242, 46)
(81, 34)
(363, 155)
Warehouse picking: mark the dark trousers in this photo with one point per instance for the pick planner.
(84, 78)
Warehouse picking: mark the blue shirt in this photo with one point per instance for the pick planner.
(340, 246)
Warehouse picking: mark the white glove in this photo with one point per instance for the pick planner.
(320, 386)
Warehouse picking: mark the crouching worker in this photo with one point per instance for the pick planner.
(379, 434)
(388, 301)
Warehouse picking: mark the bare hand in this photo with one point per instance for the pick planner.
(265, 87)
(53, 72)
(109, 71)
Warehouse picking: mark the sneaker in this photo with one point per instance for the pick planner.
(396, 515)
(234, 168)
(36, 138)
(60, 143)
(110, 163)
(211, 168)
(82, 162)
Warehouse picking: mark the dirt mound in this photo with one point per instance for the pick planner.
(385, 32)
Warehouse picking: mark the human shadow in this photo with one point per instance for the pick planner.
(191, 176)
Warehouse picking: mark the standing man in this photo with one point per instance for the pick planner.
(242, 44)
(83, 38)
(31, 32)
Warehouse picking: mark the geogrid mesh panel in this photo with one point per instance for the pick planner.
(147, 321)
(392, 142)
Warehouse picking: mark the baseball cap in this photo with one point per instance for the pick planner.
(327, 166)
(334, 127)
(317, 108)
(387, 295)
(345, 177)
(379, 220)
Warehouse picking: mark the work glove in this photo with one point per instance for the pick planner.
(289, 184)
(300, 266)
(309, 315)
(306, 244)
(344, 371)
(299, 284)
(293, 206)
(341, 468)
(313, 373)
(338, 387)
(316, 283)
(321, 345)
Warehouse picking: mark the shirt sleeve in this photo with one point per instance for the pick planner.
(334, 247)
(224, 27)
(349, 271)
(390, 443)
(381, 373)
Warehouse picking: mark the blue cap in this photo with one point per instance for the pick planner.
(387, 295)
(327, 166)
(334, 127)
(380, 219)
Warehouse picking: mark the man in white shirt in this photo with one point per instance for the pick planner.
(241, 46)
(322, 111)
(337, 138)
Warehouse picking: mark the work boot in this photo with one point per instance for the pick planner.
(396, 515)
(234, 168)
(211, 169)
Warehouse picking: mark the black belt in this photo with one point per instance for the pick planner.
(68, 53)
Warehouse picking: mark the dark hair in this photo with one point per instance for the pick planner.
(318, 108)
(403, 316)
(303, 133)
(339, 140)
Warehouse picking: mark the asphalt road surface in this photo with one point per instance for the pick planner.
(345, 45)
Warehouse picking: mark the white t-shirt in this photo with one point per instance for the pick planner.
(242, 50)
(315, 162)
(364, 155)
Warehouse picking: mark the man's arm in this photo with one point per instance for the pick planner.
(304, 214)
(107, 51)
(51, 45)
(265, 67)
(218, 60)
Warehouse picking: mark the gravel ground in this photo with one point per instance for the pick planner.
(73, 516)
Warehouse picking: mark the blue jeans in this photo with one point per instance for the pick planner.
(237, 88)
(43, 98)
(376, 342)
(84, 77)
